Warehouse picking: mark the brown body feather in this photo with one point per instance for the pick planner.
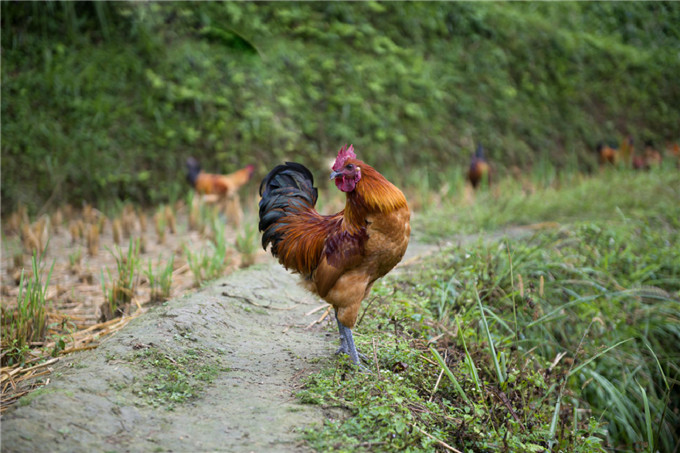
(607, 155)
(478, 171)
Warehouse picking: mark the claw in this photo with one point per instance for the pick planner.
(344, 350)
(343, 347)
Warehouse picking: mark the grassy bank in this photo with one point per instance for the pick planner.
(565, 340)
(554, 197)
(104, 101)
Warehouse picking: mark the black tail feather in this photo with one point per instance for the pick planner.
(287, 188)
(193, 169)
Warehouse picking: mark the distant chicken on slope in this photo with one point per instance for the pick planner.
(651, 155)
(674, 150)
(606, 154)
(627, 150)
(479, 170)
(219, 188)
(649, 159)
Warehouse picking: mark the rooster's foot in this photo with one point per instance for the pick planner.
(343, 349)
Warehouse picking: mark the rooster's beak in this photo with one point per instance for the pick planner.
(335, 174)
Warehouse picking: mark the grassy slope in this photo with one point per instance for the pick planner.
(611, 195)
(102, 101)
(602, 289)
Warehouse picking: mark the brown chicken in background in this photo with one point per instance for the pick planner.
(219, 188)
(638, 162)
(479, 170)
(649, 159)
(627, 151)
(651, 155)
(606, 154)
(674, 150)
(221, 185)
(339, 256)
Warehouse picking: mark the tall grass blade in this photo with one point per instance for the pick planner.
(553, 423)
(512, 286)
(494, 357)
(667, 393)
(575, 370)
(658, 364)
(648, 420)
(450, 375)
(468, 359)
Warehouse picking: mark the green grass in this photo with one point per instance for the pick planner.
(612, 195)
(32, 396)
(160, 281)
(119, 294)
(171, 377)
(248, 242)
(209, 262)
(27, 323)
(565, 340)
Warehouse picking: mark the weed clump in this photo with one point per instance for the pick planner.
(119, 295)
(173, 377)
(26, 324)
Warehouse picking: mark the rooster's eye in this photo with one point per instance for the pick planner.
(349, 166)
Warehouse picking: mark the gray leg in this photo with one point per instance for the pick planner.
(347, 343)
(343, 341)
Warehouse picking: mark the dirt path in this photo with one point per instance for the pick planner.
(97, 400)
(238, 346)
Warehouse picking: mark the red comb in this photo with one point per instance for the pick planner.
(344, 154)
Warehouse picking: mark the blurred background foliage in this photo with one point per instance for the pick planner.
(105, 100)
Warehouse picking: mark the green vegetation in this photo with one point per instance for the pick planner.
(117, 298)
(104, 101)
(27, 323)
(174, 378)
(25, 401)
(248, 243)
(567, 198)
(209, 263)
(566, 340)
(160, 281)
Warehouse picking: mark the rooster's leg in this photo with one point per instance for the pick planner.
(347, 343)
(343, 341)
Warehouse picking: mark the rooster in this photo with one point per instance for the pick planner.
(220, 188)
(339, 256)
(674, 149)
(606, 154)
(652, 157)
(479, 168)
(638, 163)
(627, 151)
